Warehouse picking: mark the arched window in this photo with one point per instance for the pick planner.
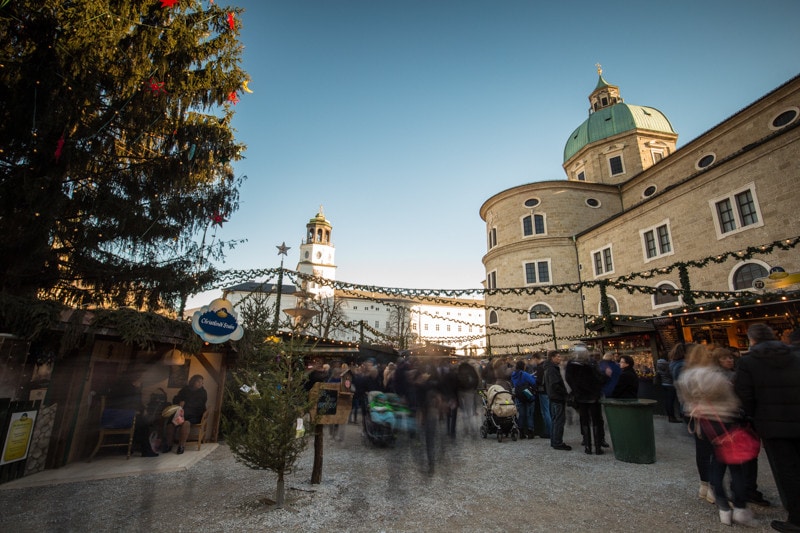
(665, 295)
(744, 275)
(539, 312)
(492, 317)
(533, 225)
(613, 307)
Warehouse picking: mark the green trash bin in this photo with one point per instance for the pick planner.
(631, 425)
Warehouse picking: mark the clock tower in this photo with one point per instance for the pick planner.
(317, 255)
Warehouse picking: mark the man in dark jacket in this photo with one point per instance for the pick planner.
(768, 383)
(557, 393)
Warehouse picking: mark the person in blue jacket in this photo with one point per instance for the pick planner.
(610, 368)
(524, 381)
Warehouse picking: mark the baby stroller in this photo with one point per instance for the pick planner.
(379, 419)
(500, 413)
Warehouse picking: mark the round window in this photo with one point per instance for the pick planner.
(649, 191)
(784, 119)
(593, 202)
(531, 202)
(706, 160)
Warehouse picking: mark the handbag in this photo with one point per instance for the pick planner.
(178, 418)
(734, 446)
(170, 411)
(737, 445)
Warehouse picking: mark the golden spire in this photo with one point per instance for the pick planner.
(599, 69)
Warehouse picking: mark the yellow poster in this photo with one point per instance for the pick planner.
(20, 431)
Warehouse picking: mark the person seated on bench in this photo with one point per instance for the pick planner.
(127, 395)
(193, 399)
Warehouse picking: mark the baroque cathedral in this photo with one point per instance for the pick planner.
(640, 228)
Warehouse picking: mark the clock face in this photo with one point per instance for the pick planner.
(319, 255)
(307, 254)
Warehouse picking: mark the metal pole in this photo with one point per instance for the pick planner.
(282, 249)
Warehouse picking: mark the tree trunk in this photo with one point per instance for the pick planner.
(280, 493)
(316, 472)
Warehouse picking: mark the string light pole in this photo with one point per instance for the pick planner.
(282, 249)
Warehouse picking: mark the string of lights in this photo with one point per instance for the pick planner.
(456, 297)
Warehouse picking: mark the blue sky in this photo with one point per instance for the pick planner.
(401, 117)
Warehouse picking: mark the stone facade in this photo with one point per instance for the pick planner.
(674, 206)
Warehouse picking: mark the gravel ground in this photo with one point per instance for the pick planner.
(477, 485)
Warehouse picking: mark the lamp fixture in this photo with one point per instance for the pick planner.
(174, 357)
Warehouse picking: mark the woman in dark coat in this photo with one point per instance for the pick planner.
(586, 382)
(628, 383)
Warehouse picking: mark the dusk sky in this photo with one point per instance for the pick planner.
(401, 117)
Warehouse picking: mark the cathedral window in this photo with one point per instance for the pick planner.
(540, 311)
(744, 276)
(615, 165)
(666, 295)
(537, 272)
(784, 119)
(737, 211)
(656, 241)
(705, 161)
(533, 225)
(491, 280)
(492, 238)
(602, 261)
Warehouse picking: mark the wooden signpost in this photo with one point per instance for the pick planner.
(329, 405)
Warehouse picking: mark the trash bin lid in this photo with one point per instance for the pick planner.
(631, 402)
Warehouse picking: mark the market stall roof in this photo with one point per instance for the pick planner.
(646, 330)
(634, 324)
(727, 311)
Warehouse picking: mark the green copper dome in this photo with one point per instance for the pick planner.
(613, 120)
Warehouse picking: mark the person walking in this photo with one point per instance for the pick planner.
(725, 359)
(668, 386)
(677, 360)
(707, 395)
(768, 383)
(586, 382)
(557, 393)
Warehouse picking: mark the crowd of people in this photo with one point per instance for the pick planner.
(718, 395)
(710, 389)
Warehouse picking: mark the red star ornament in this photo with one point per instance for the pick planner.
(231, 23)
(168, 3)
(233, 98)
(217, 219)
(156, 87)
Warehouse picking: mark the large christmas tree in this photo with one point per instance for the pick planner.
(116, 147)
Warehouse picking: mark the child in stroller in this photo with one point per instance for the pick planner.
(500, 413)
(384, 416)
